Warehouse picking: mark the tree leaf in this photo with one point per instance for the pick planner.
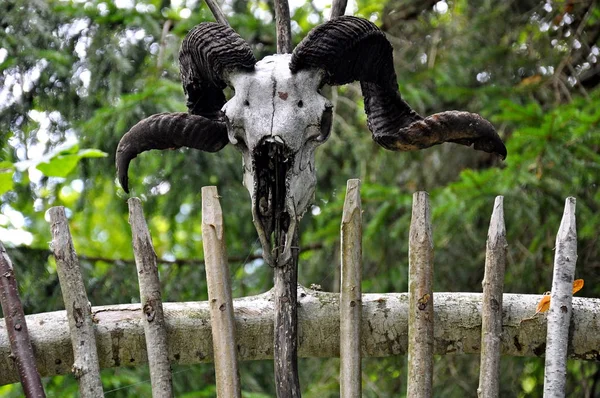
(64, 161)
(58, 166)
(577, 285)
(543, 305)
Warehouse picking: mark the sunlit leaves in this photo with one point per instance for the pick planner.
(62, 163)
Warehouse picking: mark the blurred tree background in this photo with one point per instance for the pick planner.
(76, 75)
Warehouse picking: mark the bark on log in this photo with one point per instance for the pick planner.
(219, 295)
(350, 293)
(493, 287)
(559, 317)
(83, 340)
(152, 313)
(420, 288)
(120, 333)
(17, 346)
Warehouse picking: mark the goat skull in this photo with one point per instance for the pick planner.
(277, 117)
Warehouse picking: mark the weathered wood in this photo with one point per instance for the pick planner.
(219, 295)
(152, 313)
(120, 332)
(420, 289)
(19, 347)
(559, 317)
(493, 287)
(338, 8)
(217, 12)
(350, 293)
(285, 337)
(283, 26)
(83, 340)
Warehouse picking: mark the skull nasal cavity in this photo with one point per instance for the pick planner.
(283, 96)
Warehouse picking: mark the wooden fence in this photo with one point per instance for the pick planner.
(420, 323)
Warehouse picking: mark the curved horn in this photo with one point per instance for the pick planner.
(208, 53)
(169, 130)
(350, 48)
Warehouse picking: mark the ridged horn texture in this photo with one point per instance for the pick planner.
(207, 54)
(169, 131)
(349, 49)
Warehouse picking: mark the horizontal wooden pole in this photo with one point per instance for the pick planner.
(120, 333)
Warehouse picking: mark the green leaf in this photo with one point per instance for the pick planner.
(63, 162)
(59, 166)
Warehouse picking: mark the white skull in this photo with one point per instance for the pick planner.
(277, 119)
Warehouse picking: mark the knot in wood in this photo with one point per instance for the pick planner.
(149, 311)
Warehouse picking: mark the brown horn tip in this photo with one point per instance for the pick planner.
(168, 131)
(458, 127)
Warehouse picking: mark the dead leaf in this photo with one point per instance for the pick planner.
(543, 305)
(577, 285)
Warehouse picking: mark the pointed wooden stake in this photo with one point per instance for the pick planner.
(351, 293)
(219, 296)
(17, 331)
(559, 317)
(79, 310)
(493, 286)
(420, 309)
(151, 301)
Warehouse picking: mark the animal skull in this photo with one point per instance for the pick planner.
(277, 117)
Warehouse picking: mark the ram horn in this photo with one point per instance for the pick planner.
(208, 53)
(169, 131)
(349, 49)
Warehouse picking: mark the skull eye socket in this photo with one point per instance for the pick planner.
(326, 121)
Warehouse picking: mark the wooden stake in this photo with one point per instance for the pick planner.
(16, 326)
(83, 339)
(351, 293)
(284, 30)
(420, 289)
(338, 8)
(219, 296)
(152, 313)
(217, 12)
(491, 314)
(285, 352)
(559, 317)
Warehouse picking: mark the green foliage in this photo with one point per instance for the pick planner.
(80, 74)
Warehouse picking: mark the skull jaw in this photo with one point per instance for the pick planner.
(281, 191)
